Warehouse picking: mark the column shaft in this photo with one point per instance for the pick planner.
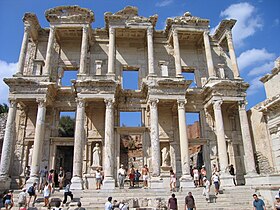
(24, 45)
(232, 55)
(111, 58)
(84, 49)
(154, 133)
(8, 140)
(177, 55)
(220, 132)
(250, 166)
(210, 65)
(109, 157)
(47, 68)
(184, 143)
(150, 32)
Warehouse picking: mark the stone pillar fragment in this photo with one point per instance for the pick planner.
(177, 55)
(150, 32)
(24, 45)
(111, 56)
(49, 53)
(8, 142)
(210, 65)
(77, 181)
(232, 55)
(109, 157)
(84, 49)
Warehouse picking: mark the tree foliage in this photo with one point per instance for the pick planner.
(66, 126)
(4, 108)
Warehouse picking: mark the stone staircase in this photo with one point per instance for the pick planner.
(234, 198)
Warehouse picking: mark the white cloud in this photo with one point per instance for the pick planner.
(248, 22)
(253, 57)
(6, 70)
(255, 86)
(276, 22)
(164, 3)
(261, 70)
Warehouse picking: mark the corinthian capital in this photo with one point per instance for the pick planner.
(27, 28)
(80, 102)
(153, 102)
(111, 31)
(42, 102)
(13, 103)
(217, 104)
(85, 29)
(109, 103)
(242, 105)
(181, 103)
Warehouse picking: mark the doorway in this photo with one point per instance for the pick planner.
(64, 157)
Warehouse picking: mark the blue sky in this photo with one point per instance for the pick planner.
(256, 33)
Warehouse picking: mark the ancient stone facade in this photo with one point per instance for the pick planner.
(128, 42)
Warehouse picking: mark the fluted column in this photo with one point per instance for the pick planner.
(210, 65)
(8, 140)
(250, 166)
(154, 135)
(24, 45)
(38, 141)
(109, 157)
(232, 55)
(111, 58)
(177, 55)
(84, 49)
(220, 132)
(49, 53)
(184, 143)
(150, 31)
(77, 181)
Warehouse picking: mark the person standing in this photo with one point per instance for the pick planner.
(108, 204)
(32, 193)
(172, 203)
(172, 181)
(132, 176)
(121, 176)
(67, 192)
(196, 176)
(216, 181)
(137, 177)
(22, 198)
(51, 179)
(43, 177)
(189, 202)
(206, 189)
(145, 174)
(232, 173)
(47, 193)
(258, 203)
(26, 173)
(98, 177)
(61, 175)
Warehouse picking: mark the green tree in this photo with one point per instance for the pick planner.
(4, 108)
(66, 126)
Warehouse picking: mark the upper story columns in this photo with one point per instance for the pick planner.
(84, 50)
(232, 54)
(112, 49)
(177, 55)
(49, 55)
(209, 59)
(150, 31)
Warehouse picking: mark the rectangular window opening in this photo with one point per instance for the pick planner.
(67, 76)
(66, 127)
(130, 119)
(193, 125)
(130, 79)
(188, 74)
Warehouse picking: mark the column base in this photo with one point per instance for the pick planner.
(77, 183)
(5, 183)
(186, 181)
(31, 180)
(108, 183)
(226, 180)
(156, 183)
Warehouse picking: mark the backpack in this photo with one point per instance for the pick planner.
(31, 190)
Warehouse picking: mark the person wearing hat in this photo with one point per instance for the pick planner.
(121, 176)
(22, 198)
(206, 189)
(277, 202)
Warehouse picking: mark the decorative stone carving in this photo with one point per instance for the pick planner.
(96, 156)
(165, 157)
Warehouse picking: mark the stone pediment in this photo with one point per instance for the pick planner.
(186, 20)
(69, 14)
(127, 17)
(223, 26)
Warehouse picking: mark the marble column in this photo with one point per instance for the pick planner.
(220, 132)
(79, 142)
(250, 166)
(111, 56)
(84, 50)
(150, 32)
(24, 46)
(7, 148)
(38, 142)
(209, 59)
(232, 55)
(109, 157)
(177, 55)
(49, 54)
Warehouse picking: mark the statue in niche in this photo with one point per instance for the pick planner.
(30, 155)
(96, 155)
(165, 157)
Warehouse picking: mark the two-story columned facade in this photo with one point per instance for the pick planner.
(128, 42)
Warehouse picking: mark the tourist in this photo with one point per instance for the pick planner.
(189, 202)
(206, 189)
(131, 176)
(51, 180)
(32, 193)
(145, 174)
(22, 198)
(214, 168)
(277, 202)
(258, 203)
(203, 173)
(9, 200)
(196, 176)
(43, 177)
(26, 174)
(231, 172)
(137, 177)
(98, 177)
(79, 204)
(108, 204)
(68, 176)
(172, 202)
(216, 181)
(61, 175)
(121, 176)
(47, 193)
(67, 192)
(172, 181)
(123, 205)
(57, 206)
